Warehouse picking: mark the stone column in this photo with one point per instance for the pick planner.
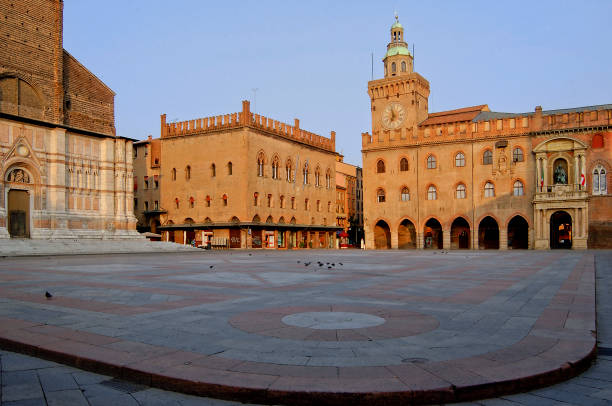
(446, 239)
(420, 242)
(576, 170)
(545, 167)
(394, 239)
(503, 238)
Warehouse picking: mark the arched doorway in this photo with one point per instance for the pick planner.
(560, 230)
(432, 234)
(382, 236)
(488, 234)
(18, 213)
(406, 235)
(460, 234)
(518, 233)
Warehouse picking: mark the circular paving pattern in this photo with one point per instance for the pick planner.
(332, 320)
(334, 323)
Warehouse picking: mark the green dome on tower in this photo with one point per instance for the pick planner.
(398, 50)
(396, 24)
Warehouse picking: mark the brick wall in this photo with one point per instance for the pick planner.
(39, 79)
(89, 103)
(31, 35)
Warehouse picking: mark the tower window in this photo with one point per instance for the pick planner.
(403, 66)
(380, 166)
(393, 67)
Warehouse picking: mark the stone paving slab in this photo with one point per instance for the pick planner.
(500, 323)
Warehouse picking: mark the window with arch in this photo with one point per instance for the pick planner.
(255, 199)
(403, 165)
(306, 204)
(188, 172)
(403, 66)
(318, 205)
(432, 193)
(380, 195)
(460, 191)
(173, 174)
(317, 177)
(431, 162)
(293, 203)
(208, 200)
(405, 194)
(269, 200)
(260, 165)
(380, 166)
(518, 189)
(329, 207)
(305, 173)
(275, 166)
(600, 184)
(281, 201)
(393, 67)
(288, 170)
(489, 189)
(487, 157)
(191, 202)
(230, 168)
(460, 160)
(328, 179)
(176, 202)
(213, 170)
(517, 155)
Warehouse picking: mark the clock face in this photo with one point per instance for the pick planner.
(393, 116)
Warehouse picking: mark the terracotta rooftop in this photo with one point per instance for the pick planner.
(453, 116)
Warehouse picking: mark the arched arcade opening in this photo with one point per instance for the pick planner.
(432, 234)
(406, 235)
(382, 235)
(460, 234)
(488, 234)
(518, 233)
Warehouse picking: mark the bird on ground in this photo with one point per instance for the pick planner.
(329, 267)
(341, 263)
(298, 262)
(48, 295)
(211, 267)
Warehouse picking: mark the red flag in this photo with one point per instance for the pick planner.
(582, 179)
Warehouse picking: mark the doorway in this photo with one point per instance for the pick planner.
(19, 213)
(432, 234)
(460, 234)
(560, 230)
(382, 236)
(488, 234)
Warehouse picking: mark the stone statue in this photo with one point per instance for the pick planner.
(560, 175)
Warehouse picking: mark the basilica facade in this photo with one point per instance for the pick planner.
(474, 178)
(64, 173)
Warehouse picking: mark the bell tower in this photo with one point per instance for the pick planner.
(397, 60)
(399, 101)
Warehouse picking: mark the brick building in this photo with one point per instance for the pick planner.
(473, 178)
(349, 203)
(63, 171)
(246, 181)
(147, 185)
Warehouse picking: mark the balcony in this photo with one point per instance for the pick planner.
(559, 192)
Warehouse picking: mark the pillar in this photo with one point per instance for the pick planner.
(184, 236)
(503, 238)
(419, 237)
(446, 239)
(577, 170)
(545, 165)
(538, 173)
(394, 239)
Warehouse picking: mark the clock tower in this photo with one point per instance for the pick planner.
(399, 101)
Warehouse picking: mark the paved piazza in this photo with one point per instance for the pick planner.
(331, 327)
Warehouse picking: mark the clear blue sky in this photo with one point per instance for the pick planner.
(312, 60)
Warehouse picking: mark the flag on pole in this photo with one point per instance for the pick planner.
(582, 180)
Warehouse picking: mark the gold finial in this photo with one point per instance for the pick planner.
(396, 17)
